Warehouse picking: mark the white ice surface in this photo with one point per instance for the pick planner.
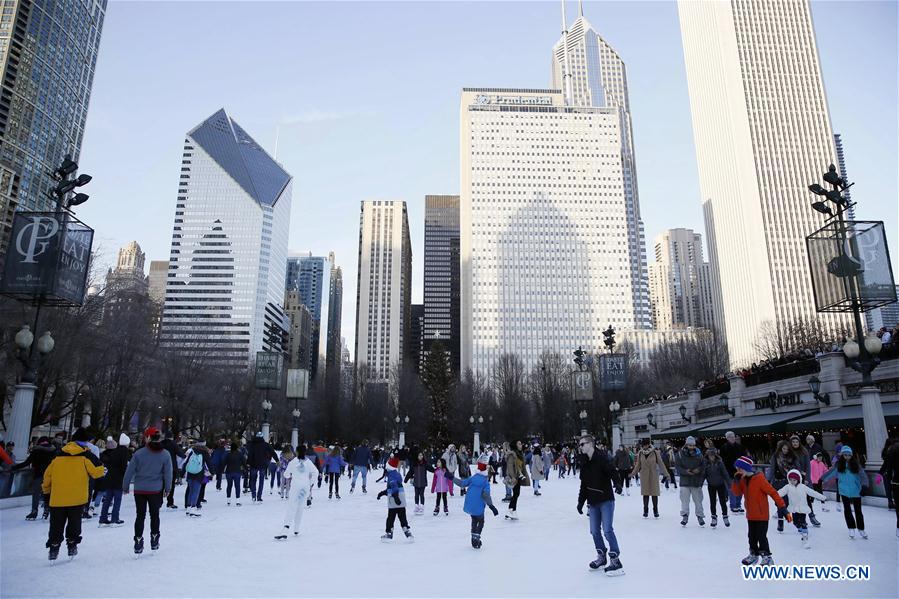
(230, 552)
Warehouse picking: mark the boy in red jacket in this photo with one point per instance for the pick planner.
(755, 488)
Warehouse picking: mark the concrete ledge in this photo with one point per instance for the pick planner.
(866, 500)
(15, 502)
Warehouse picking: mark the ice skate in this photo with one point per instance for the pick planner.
(511, 515)
(655, 513)
(805, 543)
(814, 521)
(627, 491)
(445, 512)
(614, 568)
(31, 516)
(236, 504)
(54, 552)
(726, 521)
(766, 560)
(684, 520)
(337, 495)
(862, 534)
(364, 490)
(408, 532)
(714, 522)
(154, 542)
(101, 523)
(73, 550)
(138, 545)
(436, 511)
(749, 559)
(282, 535)
(852, 533)
(646, 513)
(387, 537)
(352, 488)
(599, 562)
(475, 541)
(701, 521)
(780, 526)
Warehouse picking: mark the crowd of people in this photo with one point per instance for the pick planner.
(73, 478)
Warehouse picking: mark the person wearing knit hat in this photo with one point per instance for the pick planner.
(115, 458)
(691, 467)
(798, 496)
(477, 498)
(756, 490)
(418, 474)
(851, 484)
(151, 472)
(396, 501)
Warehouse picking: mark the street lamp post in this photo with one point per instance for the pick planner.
(614, 407)
(295, 433)
(476, 421)
(266, 410)
(402, 423)
(583, 416)
(19, 427)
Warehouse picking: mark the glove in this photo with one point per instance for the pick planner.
(738, 475)
(580, 508)
(782, 512)
(382, 494)
(494, 510)
(396, 499)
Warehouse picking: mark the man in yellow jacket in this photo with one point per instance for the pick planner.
(66, 481)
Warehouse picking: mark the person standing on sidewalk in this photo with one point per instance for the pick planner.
(731, 451)
(691, 467)
(596, 491)
(150, 469)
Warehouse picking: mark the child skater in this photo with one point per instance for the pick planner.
(851, 478)
(756, 489)
(441, 485)
(396, 501)
(302, 474)
(418, 474)
(477, 498)
(818, 467)
(797, 495)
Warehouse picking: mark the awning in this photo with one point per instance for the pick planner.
(844, 417)
(764, 423)
(681, 432)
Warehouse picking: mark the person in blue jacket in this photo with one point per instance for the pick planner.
(334, 464)
(851, 479)
(218, 462)
(362, 461)
(396, 501)
(477, 498)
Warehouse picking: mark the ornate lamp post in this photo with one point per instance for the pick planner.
(683, 414)
(401, 423)
(583, 416)
(19, 426)
(295, 433)
(476, 421)
(614, 408)
(266, 410)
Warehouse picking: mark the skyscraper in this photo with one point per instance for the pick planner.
(416, 336)
(545, 265)
(126, 284)
(383, 289)
(680, 298)
(159, 272)
(229, 248)
(310, 276)
(302, 328)
(335, 314)
(762, 133)
(597, 76)
(441, 275)
(48, 51)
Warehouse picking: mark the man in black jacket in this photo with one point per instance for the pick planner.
(259, 454)
(115, 458)
(731, 451)
(40, 457)
(596, 491)
(170, 446)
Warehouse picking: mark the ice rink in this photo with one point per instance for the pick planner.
(230, 552)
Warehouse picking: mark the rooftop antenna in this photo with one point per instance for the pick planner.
(566, 77)
(580, 6)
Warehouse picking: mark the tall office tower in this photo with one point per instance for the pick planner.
(676, 289)
(762, 133)
(416, 336)
(159, 273)
(335, 314)
(302, 328)
(543, 218)
(597, 76)
(441, 275)
(841, 165)
(383, 289)
(311, 277)
(229, 248)
(127, 286)
(48, 51)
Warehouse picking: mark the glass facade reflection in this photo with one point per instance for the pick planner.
(441, 275)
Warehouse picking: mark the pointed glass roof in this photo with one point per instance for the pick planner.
(241, 157)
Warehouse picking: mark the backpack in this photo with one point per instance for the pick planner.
(194, 464)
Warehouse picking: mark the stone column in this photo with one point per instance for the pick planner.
(736, 394)
(476, 445)
(402, 440)
(832, 365)
(265, 431)
(294, 437)
(875, 426)
(18, 429)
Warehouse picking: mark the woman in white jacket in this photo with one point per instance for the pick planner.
(302, 474)
(797, 495)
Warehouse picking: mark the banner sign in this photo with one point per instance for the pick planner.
(582, 385)
(48, 258)
(297, 383)
(268, 370)
(612, 372)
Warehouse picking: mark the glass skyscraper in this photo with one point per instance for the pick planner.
(441, 276)
(310, 276)
(225, 288)
(48, 52)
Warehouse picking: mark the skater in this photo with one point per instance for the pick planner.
(596, 491)
(648, 466)
(464, 470)
(396, 501)
(334, 464)
(451, 461)
(259, 455)
(302, 474)
(516, 477)
(234, 462)
(151, 471)
(691, 467)
(804, 461)
(274, 472)
(817, 468)
(362, 462)
(196, 470)
(115, 458)
(730, 452)
(477, 499)
(891, 467)
(218, 462)
(669, 457)
(797, 499)
(718, 480)
(624, 463)
(283, 460)
(418, 474)
(40, 457)
(547, 462)
(851, 480)
(441, 484)
(174, 452)
(66, 481)
(782, 461)
(756, 489)
(537, 473)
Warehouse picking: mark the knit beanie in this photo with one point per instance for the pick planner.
(794, 474)
(393, 463)
(81, 435)
(124, 440)
(846, 450)
(301, 451)
(110, 443)
(744, 463)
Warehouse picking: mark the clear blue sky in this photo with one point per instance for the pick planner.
(367, 96)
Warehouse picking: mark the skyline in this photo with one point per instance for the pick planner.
(400, 141)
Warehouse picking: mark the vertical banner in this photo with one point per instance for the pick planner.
(612, 372)
(582, 385)
(268, 370)
(297, 383)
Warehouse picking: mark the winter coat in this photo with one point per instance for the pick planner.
(478, 495)
(440, 484)
(623, 460)
(464, 466)
(817, 470)
(515, 470)
(173, 451)
(537, 471)
(890, 468)
(797, 496)
(260, 453)
(116, 462)
(716, 474)
(730, 453)
(648, 466)
(150, 470)
(39, 458)
(234, 462)
(66, 478)
(596, 480)
(691, 467)
(218, 459)
(849, 483)
(547, 461)
(334, 464)
(302, 474)
(395, 489)
(362, 457)
(756, 490)
(780, 464)
(207, 464)
(452, 461)
(418, 474)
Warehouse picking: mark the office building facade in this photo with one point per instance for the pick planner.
(679, 295)
(441, 275)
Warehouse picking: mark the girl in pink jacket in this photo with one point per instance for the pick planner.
(817, 469)
(441, 486)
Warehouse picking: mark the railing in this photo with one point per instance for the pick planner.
(714, 389)
(16, 483)
(786, 371)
